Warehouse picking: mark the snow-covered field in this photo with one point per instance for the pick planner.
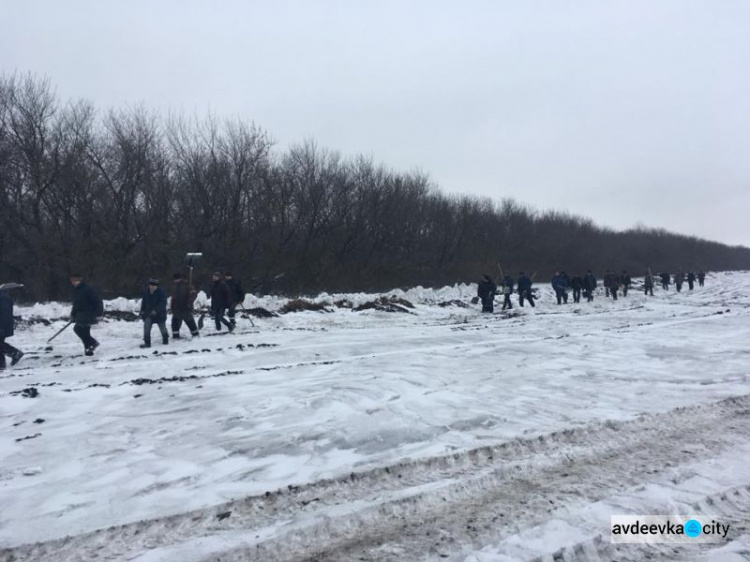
(439, 434)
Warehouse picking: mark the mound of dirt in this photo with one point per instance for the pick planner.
(454, 302)
(260, 312)
(298, 305)
(385, 304)
(121, 315)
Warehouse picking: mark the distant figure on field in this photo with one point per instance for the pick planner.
(154, 311)
(625, 282)
(664, 280)
(589, 285)
(524, 289)
(87, 309)
(507, 292)
(701, 278)
(648, 284)
(576, 283)
(691, 280)
(486, 289)
(7, 325)
(560, 285)
(679, 279)
(183, 300)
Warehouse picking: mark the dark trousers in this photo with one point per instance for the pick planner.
(678, 286)
(700, 282)
(690, 285)
(488, 304)
(179, 317)
(219, 318)
(562, 296)
(83, 331)
(526, 295)
(576, 295)
(624, 290)
(232, 311)
(589, 295)
(148, 323)
(649, 290)
(506, 301)
(6, 349)
(665, 286)
(613, 290)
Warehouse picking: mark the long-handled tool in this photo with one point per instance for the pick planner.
(60, 331)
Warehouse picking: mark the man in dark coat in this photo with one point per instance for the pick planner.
(648, 283)
(507, 291)
(221, 298)
(625, 282)
(183, 299)
(87, 308)
(560, 285)
(611, 284)
(576, 283)
(701, 278)
(486, 290)
(691, 280)
(679, 279)
(154, 311)
(7, 325)
(665, 280)
(237, 295)
(524, 289)
(589, 285)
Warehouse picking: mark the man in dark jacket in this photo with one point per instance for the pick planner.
(691, 280)
(87, 308)
(625, 282)
(576, 283)
(507, 291)
(486, 290)
(701, 278)
(611, 284)
(524, 289)
(664, 280)
(648, 283)
(679, 279)
(221, 298)
(7, 324)
(589, 285)
(183, 299)
(154, 311)
(237, 294)
(560, 285)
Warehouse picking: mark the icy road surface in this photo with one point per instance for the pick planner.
(443, 434)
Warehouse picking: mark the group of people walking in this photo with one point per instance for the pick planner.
(578, 285)
(227, 294)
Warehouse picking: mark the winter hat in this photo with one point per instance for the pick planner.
(153, 281)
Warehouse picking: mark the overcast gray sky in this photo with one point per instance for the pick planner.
(624, 111)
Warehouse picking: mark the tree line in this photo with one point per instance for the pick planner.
(122, 195)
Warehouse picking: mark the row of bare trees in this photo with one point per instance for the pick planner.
(122, 195)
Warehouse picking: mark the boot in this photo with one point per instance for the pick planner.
(165, 340)
(176, 337)
(145, 345)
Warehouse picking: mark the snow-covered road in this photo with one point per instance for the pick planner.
(442, 434)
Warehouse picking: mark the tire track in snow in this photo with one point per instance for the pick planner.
(439, 507)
